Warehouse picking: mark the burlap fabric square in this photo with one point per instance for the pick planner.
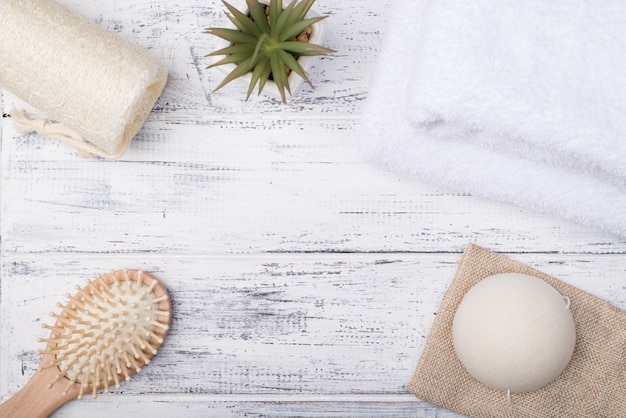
(592, 385)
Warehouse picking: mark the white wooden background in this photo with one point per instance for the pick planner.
(304, 280)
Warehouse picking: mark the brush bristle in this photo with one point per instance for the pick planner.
(107, 331)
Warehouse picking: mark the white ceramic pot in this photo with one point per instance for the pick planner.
(271, 89)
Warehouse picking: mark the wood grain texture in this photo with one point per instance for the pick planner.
(304, 280)
(276, 406)
(256, 186)
(315, 325)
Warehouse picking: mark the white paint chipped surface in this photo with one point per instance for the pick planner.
(303, 280)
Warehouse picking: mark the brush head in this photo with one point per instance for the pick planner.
(107, 331)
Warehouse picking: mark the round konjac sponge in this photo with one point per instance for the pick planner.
(514, 332)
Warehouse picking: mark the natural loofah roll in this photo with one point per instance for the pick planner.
(97, 84)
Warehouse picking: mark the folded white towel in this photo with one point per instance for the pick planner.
(522, 101)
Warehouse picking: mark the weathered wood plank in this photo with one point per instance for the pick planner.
(274, 324)
(236, 406)
(247, 187)
(304, 280)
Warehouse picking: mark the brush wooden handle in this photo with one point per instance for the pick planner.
(36, 400)
(118, 351)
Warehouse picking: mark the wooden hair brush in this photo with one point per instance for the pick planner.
(105, 333)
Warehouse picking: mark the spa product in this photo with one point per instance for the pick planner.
(591, 385)
(98, 86)
(105, 333)
(514, 332)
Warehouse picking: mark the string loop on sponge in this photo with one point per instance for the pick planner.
(44, 127)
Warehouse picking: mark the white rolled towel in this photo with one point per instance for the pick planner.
(98, 86)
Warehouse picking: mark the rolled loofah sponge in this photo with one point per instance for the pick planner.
(95, 83)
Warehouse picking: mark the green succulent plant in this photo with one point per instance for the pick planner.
(266, 44)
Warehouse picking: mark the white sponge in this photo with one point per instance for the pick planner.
(514, 332)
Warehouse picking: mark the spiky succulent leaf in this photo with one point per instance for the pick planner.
(303, 8)
(295, 28)
(276, 7)
(262, 43)
(280, 75)
(233, 36)
(292, 63)
(257, 73)
(258, 15)
(304, 48)
(265, 75)
(232, 49)
(241, 26)
(231, 59)
(284, 20)
(240, 70)
(259, 44)
(241, 20)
